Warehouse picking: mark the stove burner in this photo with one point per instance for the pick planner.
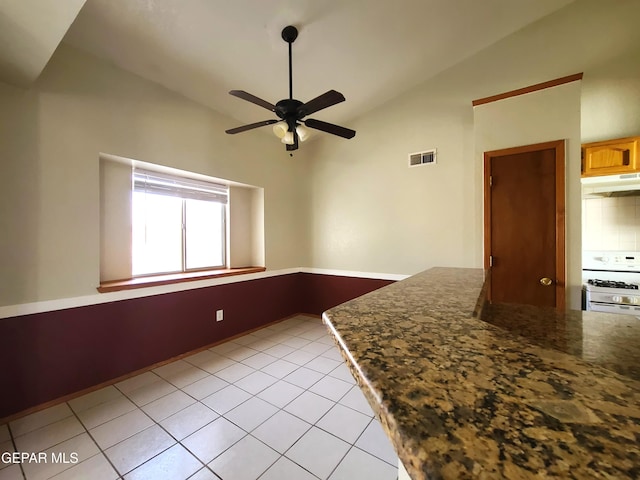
(612, 284)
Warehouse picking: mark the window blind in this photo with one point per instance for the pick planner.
(162, 184)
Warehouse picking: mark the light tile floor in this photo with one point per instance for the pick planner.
(275, 404)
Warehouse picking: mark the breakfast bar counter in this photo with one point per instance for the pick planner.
(468, 390)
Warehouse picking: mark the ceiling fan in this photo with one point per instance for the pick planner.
(291, 111)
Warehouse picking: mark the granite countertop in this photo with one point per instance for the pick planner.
(533, 394)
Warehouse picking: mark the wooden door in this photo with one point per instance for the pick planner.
(524, 224)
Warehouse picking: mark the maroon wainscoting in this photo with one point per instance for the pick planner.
(322, 292)
(52, 354)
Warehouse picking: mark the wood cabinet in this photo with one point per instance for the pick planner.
(611, 157)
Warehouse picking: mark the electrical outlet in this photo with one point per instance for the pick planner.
(219, 315)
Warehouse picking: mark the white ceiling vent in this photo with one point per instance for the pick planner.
(427, 157)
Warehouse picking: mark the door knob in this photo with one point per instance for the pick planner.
(545, 281)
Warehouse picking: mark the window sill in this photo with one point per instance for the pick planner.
(156, 280)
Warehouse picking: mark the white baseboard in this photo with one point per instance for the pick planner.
(356, 274)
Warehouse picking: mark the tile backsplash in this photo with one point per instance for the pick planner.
(611, 223)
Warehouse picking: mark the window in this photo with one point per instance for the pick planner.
(188, 226)
(178, 224)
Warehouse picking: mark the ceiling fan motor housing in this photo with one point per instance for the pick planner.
(287, 110)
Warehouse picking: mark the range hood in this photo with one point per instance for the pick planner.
(623, 185)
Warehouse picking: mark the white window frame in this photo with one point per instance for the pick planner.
(159, 183)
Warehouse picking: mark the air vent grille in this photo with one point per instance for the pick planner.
(427, 157)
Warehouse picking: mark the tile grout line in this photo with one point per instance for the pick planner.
(222, 415)
(352, 445)
(95, 442)
(280, 455)
(335, 402)
(15, 449)
(284, 336)
(157, 423)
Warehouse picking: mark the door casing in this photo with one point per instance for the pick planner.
(560, 273)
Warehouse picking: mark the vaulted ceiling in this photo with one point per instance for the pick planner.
(370, 51)
(30, 31)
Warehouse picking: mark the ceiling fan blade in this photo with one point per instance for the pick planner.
(251, 126)
(323, 101)
(253, 99)
(330, 128)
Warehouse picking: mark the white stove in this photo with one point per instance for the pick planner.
(612, 281)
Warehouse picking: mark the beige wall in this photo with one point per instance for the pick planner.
(371, 212)
(611, 99)
(338, 204)
(546, 115)
(115, 219)
(50, 140)
(246, 225)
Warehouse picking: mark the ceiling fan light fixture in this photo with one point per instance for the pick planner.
(280, 129)
(303, 132)
(288, 138)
